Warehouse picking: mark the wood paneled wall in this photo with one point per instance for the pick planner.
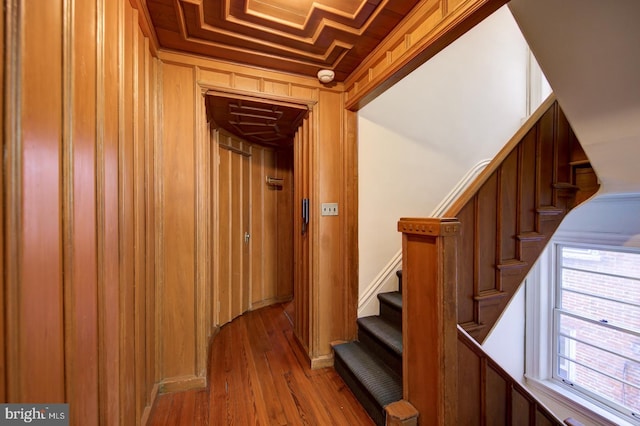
(5, 97)
(77, 210)
(512, 210)
(107, 209)
(489, 395)
(186, 295)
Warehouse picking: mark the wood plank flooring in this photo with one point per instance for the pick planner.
(258, 375)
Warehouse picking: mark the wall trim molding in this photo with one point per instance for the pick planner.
(389, 270)
(182, 383)
(146, 413)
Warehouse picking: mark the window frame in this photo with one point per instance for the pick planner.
(540, 345)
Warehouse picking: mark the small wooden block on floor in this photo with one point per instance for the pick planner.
(401, 413)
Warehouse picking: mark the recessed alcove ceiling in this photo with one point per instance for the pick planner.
(297, 36)
(270, 123)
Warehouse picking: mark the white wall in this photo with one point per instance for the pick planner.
(505, 342)
(420, 137)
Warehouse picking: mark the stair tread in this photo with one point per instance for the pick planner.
(384, 331)
(384, 385)
(392, 298)
(531, 236)
(549, 210)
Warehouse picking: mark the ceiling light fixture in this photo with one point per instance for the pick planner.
(326, 76)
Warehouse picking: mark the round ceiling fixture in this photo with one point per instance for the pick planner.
(326, 76)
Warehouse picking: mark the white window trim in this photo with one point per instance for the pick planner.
(540, 301)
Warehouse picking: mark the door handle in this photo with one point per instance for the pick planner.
(246, 237)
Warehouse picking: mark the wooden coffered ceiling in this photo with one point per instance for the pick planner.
(265, 123)
(298, 36)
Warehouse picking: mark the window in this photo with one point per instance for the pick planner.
(596, 325)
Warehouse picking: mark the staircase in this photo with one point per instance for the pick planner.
(460, 272)
(511, 212)
(372, 365)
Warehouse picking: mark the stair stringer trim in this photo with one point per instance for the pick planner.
(386, 279)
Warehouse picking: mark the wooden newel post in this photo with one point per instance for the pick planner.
(429, 322)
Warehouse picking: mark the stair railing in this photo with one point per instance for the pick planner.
(463, 268)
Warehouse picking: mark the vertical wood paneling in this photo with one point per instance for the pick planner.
(546, 132)
(245, 216)
(36, 318)
(81, 327)
(265, 257)
(350, 221)
(466, 267)
(203, 277)
(178, 328)
(509, 207)
(489, 396)
(108, 214)
(140, 225)
(127, 213)
(150, 122)
(521, 413)
(301, 239)
(513, 208)
(469, 391)
(75, 158)
(224, 213)
(331, 295)
(285, 226)
(269, 237)
(3, 206)
(258, 226)
(487, 234)
(495, 394)
(563, 133)
(236, 226)
(527, 181)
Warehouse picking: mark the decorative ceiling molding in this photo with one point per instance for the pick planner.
(298, 36)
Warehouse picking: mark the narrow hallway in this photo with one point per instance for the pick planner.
(259, 375)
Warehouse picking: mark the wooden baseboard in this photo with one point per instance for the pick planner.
(182, 383)
(322, 361)
(271, 301)
(152, 400)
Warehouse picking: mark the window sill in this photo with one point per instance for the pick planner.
(583, 410)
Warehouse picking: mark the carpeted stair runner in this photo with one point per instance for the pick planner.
(372, 365)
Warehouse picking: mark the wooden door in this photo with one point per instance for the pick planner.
(234, 232)
(253, 232)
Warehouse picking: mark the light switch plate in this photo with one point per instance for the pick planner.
(329, 209)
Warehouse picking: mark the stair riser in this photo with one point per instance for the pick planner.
(391, 314)
(390, 357)
(375, 411)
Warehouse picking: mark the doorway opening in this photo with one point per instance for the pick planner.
(252, 185)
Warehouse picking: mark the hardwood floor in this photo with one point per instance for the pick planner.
(258, 375)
